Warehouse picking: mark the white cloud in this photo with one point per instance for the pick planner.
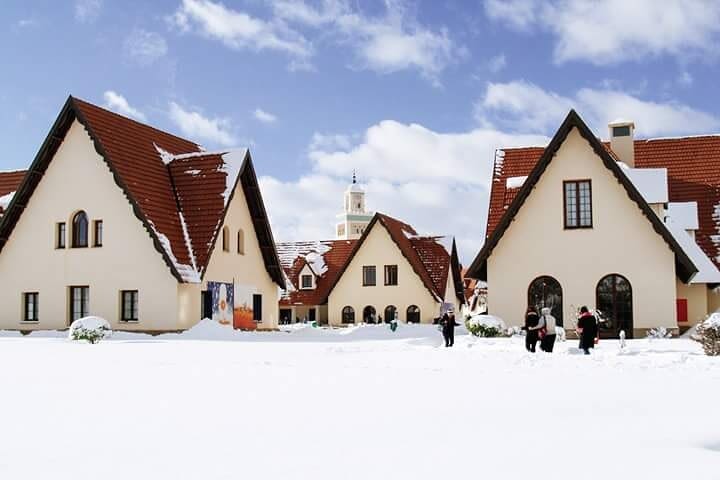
(389, 43)
(87, 11)
(263, 116)
(239, 30)
(117, 103)
(200, 128)
(523, 106)
(610, 31)
(497, 63)
(411, 172)
(145, 47)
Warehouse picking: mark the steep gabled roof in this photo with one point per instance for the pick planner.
(293, 257)
(431, 258)
(181, 212)
(524, 157)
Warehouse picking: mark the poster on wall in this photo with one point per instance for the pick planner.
(243, 317)
(223, 302)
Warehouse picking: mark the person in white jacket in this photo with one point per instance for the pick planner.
(548, 333)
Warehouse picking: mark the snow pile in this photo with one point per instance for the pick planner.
(316, 260)
(485, 326)
(515, 182)
(488, 321)
(91, 329)
(187, 272)
(5, 200)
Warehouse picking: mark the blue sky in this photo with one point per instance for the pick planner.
(415, 95)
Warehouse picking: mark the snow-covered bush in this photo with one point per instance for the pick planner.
(658, 333)
(90, 329)
(708, 334)
(485, 326)
(513, 331)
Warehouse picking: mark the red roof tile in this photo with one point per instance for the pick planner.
(693, 165)
(9, 182)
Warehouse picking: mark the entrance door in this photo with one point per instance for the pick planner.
(311, 315)
(544, 292)
(369, 314)
(614, 302)
(413, 314)
(206, 304)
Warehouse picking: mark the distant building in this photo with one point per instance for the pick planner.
(354, 218)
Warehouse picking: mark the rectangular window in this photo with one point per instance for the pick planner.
(307, 281)
(98, 233)
(391, 275)
(578, 204)
(369, 276)
(60, 235)
(129, 305)
(623, 131)
(257, 307)
(79, 302)
(30, 300)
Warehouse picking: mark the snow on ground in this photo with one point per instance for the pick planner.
(354, 403)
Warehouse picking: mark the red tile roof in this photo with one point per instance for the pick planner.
(176, 190)
(693, 165)
(9, 182)
(292, 255)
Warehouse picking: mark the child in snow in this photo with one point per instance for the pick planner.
(587, 328)
(448, 323)
(531, 322)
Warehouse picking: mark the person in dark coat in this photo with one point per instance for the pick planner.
(532, 334)
(448, 323)
(587, 328)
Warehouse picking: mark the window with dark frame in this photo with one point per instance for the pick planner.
(623, 131)
(369, 276)
(241, 242)
(97, 233)
(391, 275)
(129, 305)
(577, 204)
(226, 239)
(257, 308)
(60, 235)
(348, 315)
(30, 312)
(307, 281)
(79, 302)
(80, 230)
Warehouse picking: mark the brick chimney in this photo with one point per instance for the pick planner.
(622, 137)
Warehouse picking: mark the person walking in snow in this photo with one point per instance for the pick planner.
(531, 332)
(587, 328)
(448, 327)
(546, 329)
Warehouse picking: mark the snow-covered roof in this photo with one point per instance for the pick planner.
(650, 182)
(515, 182)
(707, 271)
(684, 214)
(5, 200)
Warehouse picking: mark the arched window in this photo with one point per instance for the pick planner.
(369, 314)
(348, 315)
(241, 242)
(390, 313)
(544, 292)
(80, 230)
(226, 239)
(413, 314)
(613, 300)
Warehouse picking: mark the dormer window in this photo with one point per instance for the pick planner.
(306, 281)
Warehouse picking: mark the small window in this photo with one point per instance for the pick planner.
(578, 204)
(60, 235)
(623, 131)
(97, 233)
(369, 276)
(307, 281)
(30, 312)
(348, 315)
(226, 239)
(241, 242)
(79, 302)
(257, 308)
(391, 275)
(129, 305)
(80, 230)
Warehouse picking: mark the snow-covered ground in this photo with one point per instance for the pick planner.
(359, 403)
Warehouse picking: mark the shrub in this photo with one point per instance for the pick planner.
(485, 326)
(90, 329)
(708, 335)
(657, 333)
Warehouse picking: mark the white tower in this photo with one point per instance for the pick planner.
(355, 218)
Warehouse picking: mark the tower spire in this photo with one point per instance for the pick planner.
(354, 177)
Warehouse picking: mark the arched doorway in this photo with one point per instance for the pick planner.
(413, 314)
(369, 314)
(348, 315)
(613, 298)
(545, 291)
(390, 313)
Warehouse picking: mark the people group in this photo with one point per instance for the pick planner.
(543, 328)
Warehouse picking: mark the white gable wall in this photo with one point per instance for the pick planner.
(379, 249)
(247, 271)
(78, 179)
(621, 241)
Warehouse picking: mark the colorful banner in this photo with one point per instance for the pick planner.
(243, 318)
